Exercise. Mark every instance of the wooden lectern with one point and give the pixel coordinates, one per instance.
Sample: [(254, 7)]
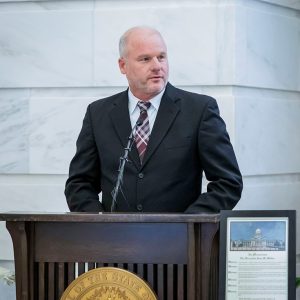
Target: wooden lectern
[(177, 254)]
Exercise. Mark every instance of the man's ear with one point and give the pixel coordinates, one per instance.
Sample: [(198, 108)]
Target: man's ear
[(122, 65)]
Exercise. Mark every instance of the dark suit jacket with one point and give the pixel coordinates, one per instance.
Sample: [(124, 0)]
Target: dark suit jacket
[(188, 137)]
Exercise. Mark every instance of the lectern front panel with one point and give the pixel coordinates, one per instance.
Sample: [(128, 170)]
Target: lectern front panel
[(112, 242)]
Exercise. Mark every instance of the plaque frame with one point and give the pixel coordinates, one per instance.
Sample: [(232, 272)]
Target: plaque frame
[(228, 246)]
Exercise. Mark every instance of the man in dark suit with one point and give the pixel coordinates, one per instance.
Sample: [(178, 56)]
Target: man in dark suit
[(178, 137)]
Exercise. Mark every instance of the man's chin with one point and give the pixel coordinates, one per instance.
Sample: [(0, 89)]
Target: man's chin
[(157, 87), (155, 92)]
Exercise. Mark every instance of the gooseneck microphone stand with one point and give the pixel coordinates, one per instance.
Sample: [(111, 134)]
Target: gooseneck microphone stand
[(123, 160)]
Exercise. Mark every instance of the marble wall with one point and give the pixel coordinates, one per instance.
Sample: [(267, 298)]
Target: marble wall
[(58, 56)]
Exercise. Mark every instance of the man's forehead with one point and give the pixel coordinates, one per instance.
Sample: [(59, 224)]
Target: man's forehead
[(152, 54)]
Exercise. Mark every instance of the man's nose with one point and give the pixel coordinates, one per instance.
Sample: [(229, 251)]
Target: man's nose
[(155, 64)]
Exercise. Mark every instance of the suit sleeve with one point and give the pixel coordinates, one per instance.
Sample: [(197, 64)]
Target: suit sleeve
[(219, 164), (83, 185)]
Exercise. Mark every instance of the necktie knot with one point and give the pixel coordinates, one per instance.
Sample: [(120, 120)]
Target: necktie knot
[(143, 105)]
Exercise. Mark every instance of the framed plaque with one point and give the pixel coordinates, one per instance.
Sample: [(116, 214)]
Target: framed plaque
[(257, 255)]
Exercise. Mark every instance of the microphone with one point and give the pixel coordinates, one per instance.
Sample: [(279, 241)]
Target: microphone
[(138, 123), (123, 160)]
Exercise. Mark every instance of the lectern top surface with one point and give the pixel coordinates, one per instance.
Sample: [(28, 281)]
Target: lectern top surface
[(16, 216)]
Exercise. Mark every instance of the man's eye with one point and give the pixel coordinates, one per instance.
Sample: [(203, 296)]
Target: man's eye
[(145, 59), (161, 57)]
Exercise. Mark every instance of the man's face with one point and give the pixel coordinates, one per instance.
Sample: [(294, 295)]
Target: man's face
[(145, 64)]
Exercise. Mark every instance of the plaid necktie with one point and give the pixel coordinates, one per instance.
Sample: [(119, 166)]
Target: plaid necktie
[(142, 132)]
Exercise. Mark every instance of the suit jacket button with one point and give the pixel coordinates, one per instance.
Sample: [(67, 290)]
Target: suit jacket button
[(141, 175), (139, 207)]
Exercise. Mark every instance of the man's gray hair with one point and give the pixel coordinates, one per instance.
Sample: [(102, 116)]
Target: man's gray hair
[(124, 38)]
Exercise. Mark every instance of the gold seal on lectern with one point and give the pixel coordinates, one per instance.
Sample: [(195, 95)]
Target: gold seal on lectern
[(108, 284)]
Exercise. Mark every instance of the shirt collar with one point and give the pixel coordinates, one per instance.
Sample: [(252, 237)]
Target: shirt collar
[(132, 103)]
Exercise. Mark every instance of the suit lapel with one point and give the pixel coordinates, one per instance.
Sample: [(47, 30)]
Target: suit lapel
[(166, 115), (121, 122)]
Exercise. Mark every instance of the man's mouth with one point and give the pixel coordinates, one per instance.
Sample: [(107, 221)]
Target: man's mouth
[(155, 77)]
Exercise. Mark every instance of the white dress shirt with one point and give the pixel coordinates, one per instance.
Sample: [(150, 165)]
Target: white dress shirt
[(134, 111)]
